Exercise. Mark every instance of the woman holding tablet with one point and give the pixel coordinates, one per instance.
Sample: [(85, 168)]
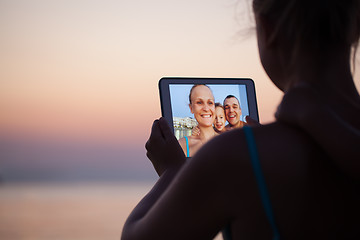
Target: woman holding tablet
[(280, 180), (202, 105)]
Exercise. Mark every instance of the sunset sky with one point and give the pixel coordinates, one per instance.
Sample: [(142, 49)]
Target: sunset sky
[(78, 78)]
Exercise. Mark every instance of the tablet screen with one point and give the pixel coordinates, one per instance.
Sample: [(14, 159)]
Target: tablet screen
[(192, 104), (184, 120), (226, 93)]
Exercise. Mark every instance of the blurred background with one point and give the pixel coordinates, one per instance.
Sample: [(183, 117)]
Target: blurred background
[(78, 95)]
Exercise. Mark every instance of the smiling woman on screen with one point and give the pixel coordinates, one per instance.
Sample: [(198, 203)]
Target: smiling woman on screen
[(202, 105)]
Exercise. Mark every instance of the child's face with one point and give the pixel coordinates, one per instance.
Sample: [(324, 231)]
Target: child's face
[(219, 119)]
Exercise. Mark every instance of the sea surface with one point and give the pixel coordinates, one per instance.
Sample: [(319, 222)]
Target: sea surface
[(67, 211)]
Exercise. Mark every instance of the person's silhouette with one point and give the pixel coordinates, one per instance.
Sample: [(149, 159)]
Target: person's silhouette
[(280, 180)]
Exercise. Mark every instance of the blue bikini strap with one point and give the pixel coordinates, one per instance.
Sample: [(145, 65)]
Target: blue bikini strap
[(187, 146), (260, 180)]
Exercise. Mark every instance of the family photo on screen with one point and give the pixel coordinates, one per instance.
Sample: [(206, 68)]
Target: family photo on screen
[(212, 110)]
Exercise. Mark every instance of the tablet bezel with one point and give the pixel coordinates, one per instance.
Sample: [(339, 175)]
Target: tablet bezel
[(165, 99)]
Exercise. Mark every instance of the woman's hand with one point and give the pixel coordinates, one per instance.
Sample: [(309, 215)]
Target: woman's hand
[(163, 148), (195, 131)]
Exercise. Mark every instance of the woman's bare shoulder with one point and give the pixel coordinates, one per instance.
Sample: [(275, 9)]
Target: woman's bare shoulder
[(182, 141), (286, 156), (272, 137), (227, 156)]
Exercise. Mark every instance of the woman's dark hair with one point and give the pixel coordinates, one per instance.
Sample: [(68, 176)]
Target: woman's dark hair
[(313, 25)]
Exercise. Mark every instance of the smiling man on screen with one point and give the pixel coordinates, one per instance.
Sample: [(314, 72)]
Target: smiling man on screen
[(233, 112)]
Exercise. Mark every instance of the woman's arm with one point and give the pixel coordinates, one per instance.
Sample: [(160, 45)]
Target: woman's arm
[(178, 206)]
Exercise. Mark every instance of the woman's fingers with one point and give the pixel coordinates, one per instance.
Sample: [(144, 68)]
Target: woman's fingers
[(165, 129), (161, 139), (155, 130), (155, 135), (163, 149), (195, 131)]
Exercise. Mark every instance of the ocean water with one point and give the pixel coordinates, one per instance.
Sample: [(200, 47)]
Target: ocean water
[(67, 211)]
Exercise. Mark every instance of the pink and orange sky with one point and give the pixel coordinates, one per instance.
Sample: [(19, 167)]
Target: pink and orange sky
[(85, 73)]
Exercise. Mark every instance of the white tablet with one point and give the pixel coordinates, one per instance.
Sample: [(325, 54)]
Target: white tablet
[(174, 98)]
